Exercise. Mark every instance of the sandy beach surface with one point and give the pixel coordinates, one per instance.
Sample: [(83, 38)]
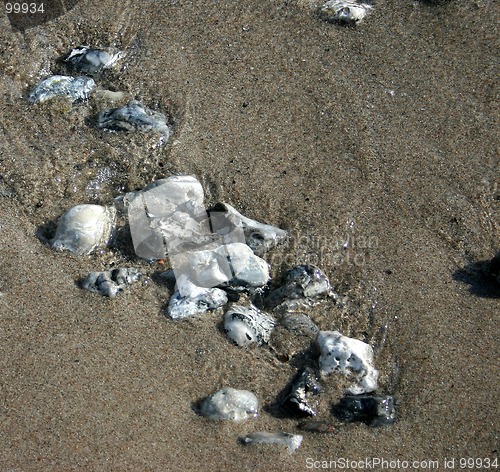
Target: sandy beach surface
[(374, 146)]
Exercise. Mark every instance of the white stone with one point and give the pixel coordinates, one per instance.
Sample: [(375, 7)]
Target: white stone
[(63, 86), (344, 11), (234, 227), (190, 300), (229, 263), (245, 326), (348, 356), (161, 203), (230, 404), (83, 228)]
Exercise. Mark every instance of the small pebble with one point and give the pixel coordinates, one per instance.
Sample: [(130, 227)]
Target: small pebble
[(230, 404), (303, 285), (110, 282), (91, 61), (344, 11), (300, 324), (72, 88), (300, 400), (134, 117), (319, 426), (291, 441), (245, 326)]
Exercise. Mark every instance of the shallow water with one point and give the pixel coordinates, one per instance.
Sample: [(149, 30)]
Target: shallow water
[(374, 146)]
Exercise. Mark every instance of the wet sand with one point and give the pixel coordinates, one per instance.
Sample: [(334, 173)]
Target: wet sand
[(383, 136)]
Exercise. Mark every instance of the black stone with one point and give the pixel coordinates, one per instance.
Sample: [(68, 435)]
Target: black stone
[(299, 397), (372, 410)]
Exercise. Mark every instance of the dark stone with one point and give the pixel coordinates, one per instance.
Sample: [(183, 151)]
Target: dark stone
[(301, 282), (299, 397), (372, 410)]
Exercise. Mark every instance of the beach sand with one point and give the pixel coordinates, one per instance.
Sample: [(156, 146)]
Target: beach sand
[(383, 136)]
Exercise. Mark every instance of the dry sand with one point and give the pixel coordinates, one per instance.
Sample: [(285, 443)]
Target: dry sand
[(384, 134)]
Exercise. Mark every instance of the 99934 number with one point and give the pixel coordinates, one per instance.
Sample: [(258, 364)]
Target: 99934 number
[(15, 7)]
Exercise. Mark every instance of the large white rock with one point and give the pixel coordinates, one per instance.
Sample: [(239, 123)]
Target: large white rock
[(233, 263), (348, 356), (157, 214)]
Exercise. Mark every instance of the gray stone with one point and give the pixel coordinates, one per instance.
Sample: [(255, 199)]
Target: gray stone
[(110, 282), (62, 86)]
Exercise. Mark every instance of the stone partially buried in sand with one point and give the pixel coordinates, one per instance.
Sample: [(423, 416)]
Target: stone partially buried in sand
[(303, 285), (301, 399), (190, 300), (62, 86), (260, 237), (110, 282), (84, 228), (348, 356), (372, 410), (291, 441), (230, 404), (247, 325), (134, 117), (91, 61), (344, 11)]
